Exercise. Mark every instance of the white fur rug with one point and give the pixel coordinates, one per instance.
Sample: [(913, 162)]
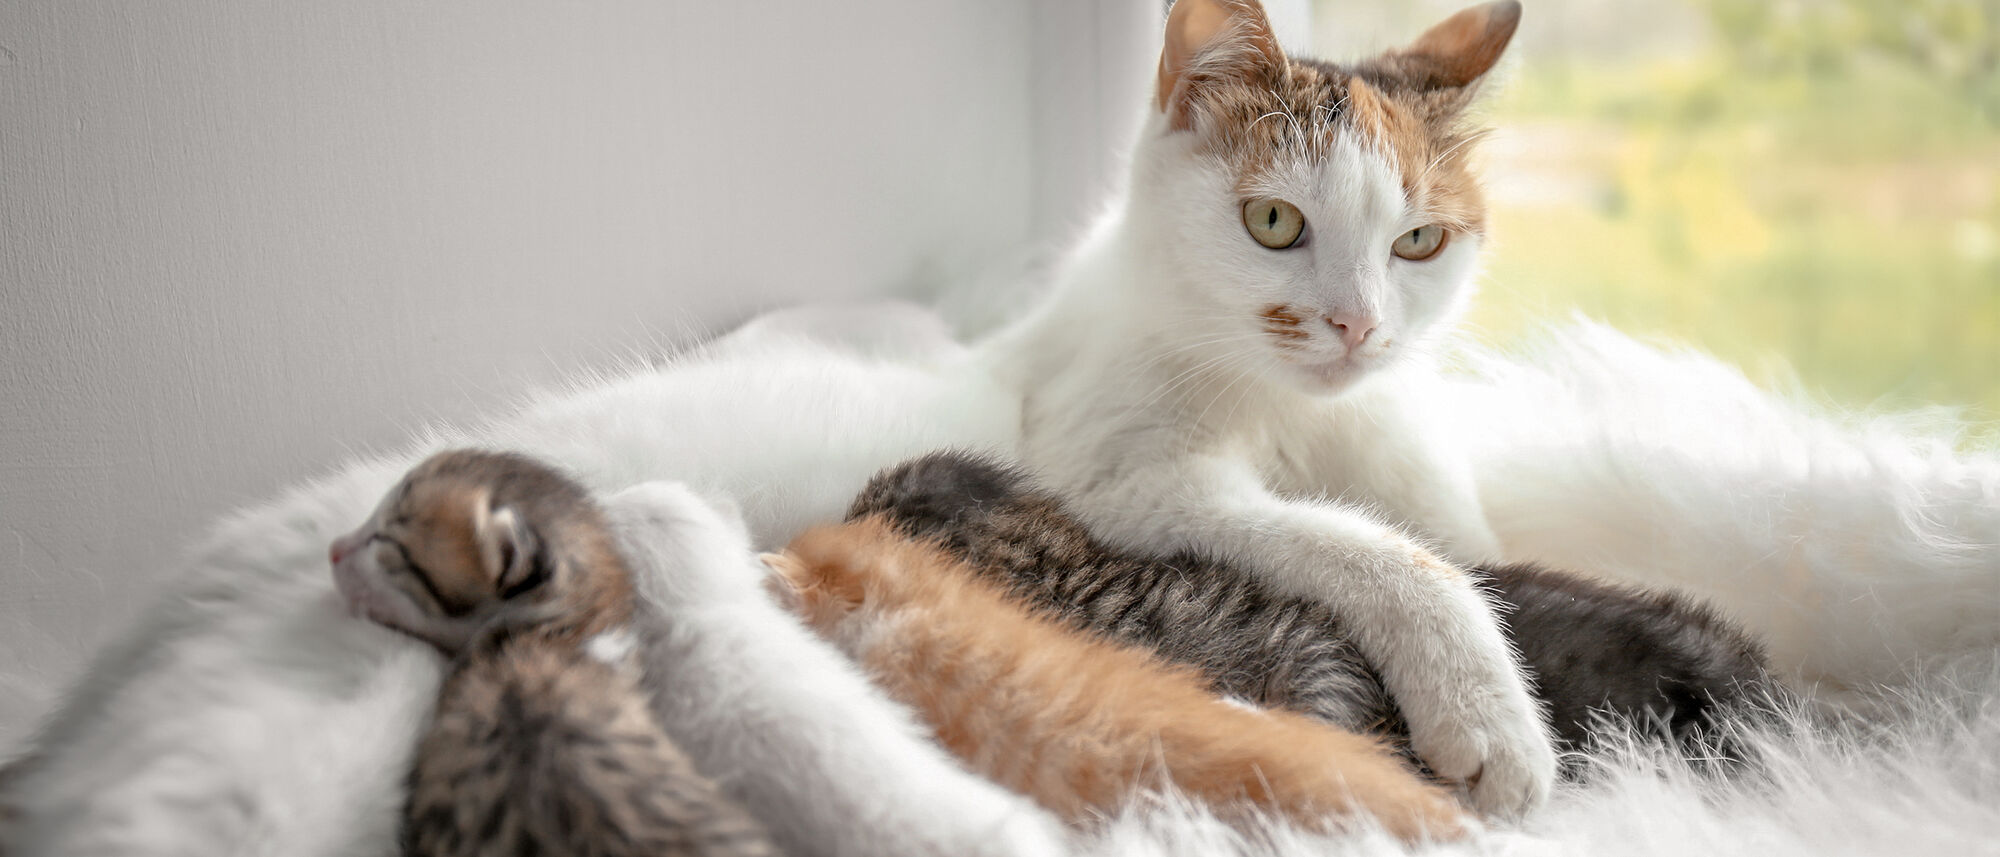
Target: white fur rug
[(244, 715), (1920, 775)]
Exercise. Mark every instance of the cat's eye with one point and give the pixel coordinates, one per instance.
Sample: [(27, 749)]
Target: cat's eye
[(1275, 223), (1420, 243)]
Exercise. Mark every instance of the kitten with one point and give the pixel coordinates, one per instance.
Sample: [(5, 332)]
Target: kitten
[(1079, 724), (1232, 362), (1653, 659), (789, 726), (542, 741)]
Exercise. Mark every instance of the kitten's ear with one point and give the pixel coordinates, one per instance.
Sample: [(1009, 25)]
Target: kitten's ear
[(787, 567), (1211, 43), (1465, 46), (511, 551), (787, 580)]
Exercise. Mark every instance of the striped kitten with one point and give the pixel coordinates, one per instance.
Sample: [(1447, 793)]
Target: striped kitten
[(1078, 723), (1651, 658), (543, 741)]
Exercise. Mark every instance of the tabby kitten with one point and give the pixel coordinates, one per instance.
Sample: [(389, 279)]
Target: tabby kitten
[(1078, 723), (1653, 659), (543, 741)]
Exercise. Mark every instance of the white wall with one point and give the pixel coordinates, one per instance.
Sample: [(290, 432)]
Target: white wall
[(239, 241)]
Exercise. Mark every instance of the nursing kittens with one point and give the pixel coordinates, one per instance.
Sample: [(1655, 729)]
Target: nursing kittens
[(789, 726), (1654, 659), (1078, 723), (543, 741)]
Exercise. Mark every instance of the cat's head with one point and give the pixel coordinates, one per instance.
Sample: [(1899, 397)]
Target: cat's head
[(469, 539), (1326, 214)]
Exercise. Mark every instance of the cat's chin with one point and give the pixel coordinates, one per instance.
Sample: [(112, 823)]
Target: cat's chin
[(1330, 377)]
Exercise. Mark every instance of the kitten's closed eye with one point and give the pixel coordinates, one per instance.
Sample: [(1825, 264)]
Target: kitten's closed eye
[(1275, 223)]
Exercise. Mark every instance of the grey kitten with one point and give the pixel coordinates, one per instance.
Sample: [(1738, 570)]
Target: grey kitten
[(543, 741), (1654, 659)]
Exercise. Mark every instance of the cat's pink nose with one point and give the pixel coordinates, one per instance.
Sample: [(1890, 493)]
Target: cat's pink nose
[(1351, 328)]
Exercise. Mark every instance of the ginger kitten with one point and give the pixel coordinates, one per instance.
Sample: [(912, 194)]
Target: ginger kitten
[(1078, 723), (543, 741)]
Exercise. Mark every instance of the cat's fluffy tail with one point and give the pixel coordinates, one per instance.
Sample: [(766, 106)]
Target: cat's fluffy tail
[(1855, 546)]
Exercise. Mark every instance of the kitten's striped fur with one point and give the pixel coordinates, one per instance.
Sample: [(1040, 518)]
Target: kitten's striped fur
[(543, 741), (541, 749), (1078, 723), (1651, 658)]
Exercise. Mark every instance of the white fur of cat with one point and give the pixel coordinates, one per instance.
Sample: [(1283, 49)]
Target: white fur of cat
[(781, 720), (247, 713), (1159, 401), (1860, 547)]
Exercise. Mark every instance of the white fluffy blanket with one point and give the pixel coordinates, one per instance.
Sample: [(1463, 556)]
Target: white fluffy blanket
[(245, 715)]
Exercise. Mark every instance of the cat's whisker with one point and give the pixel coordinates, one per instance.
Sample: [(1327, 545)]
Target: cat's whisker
[(1439, 159), (1188, 376), (1266, 365), (1156, 359), (1192, 374), (1298, 132), (1333, 110), (1239, 380)]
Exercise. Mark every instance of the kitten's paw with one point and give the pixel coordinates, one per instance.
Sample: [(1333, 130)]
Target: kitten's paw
[(1498, 748)]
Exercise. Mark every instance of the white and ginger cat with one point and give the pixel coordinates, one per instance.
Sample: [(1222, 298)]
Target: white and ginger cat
[(1233, 360)]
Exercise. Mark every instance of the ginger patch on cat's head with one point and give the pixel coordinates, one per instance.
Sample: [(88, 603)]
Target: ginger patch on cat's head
[(1224, 78)]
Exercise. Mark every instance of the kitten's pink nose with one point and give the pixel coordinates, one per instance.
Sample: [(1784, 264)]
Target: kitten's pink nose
[(341, 548), (1352, 329)]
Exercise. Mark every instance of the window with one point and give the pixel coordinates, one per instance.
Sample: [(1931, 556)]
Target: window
[(1812, 184)]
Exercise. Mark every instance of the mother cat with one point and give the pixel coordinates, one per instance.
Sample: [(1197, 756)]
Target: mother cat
[(1241, 344), (224, 723)]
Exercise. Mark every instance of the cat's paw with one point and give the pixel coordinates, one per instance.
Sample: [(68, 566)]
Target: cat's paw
[(1495, 744), (1474, 723), (1507, 768)]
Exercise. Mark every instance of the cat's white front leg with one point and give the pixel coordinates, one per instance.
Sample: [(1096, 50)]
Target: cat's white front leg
[(1383, 446), (1430, 634)]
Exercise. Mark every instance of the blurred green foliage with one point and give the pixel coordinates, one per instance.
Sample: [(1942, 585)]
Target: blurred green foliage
[(1814, 191)]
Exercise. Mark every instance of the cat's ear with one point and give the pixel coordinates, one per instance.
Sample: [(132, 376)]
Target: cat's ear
[(1213, 43), (1465, 46), (511, 551)]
